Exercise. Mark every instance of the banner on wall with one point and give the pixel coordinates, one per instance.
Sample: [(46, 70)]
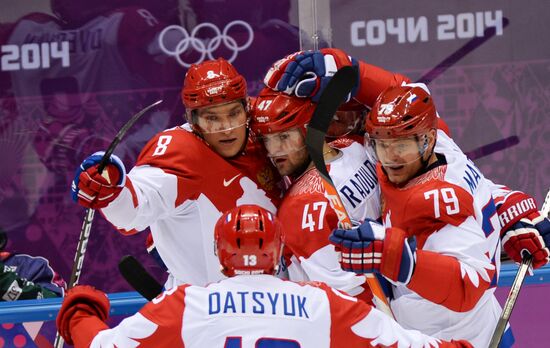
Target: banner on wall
[(418, 35), (497, 91)]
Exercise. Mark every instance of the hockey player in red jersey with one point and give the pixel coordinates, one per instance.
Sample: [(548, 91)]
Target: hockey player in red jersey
[(444, 276), (280, 121), (251, 308), (186, 176), (306, 73)]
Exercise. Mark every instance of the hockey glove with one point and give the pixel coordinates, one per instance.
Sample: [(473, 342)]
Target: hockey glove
[(370, 248), (82, 300), (524, 230), (306, 73), (94, 190)]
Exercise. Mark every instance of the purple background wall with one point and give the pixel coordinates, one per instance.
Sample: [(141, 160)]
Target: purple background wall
[(531, 316), (60, 103), (500, 89)]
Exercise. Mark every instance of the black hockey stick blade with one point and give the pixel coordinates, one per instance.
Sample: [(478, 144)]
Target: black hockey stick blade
[(138, 277), (121, 134), (339, 86), (3, 239), (335, 94)]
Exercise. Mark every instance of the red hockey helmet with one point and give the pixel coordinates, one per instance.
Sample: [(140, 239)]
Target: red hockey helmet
[(212, 82), (349, 118), (248, 241), (401, 111), (274, 112)]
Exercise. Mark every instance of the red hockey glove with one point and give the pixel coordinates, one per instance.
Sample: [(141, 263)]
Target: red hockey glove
[(81, 299), (524, 230), (94, 190), (306, 73), (371, 249)]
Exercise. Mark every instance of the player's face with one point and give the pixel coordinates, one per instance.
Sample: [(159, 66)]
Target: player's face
[(287, 150), (223, 127), (400, 157)]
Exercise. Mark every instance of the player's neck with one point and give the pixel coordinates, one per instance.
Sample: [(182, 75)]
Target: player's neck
[(330, 153)]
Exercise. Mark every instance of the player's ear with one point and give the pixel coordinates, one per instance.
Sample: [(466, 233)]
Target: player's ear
[(428, 143), (432, 138)]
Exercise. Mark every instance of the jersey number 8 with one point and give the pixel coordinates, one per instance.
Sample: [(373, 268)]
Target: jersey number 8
[(162, 145)]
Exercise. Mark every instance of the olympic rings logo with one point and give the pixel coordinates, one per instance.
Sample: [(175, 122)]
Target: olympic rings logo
[(204, 46)]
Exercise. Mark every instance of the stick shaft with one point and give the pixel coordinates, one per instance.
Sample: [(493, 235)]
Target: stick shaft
[(333, 95), (89, 216), (510, 302), (137, 276)]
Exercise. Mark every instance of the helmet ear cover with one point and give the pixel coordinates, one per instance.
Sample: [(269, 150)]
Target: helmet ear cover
[(248, 240)]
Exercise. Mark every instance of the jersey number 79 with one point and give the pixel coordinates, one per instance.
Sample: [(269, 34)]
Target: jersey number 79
[(450, 200)]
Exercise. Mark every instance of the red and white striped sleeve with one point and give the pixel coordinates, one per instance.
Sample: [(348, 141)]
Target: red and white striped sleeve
[(356, 324), (157, 324)]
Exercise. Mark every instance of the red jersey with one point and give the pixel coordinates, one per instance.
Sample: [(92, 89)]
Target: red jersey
[(307, 214), (179, 188), (451, 212), (308, 217)]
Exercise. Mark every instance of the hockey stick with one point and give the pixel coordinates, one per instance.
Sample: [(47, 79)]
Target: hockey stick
[(428, 77), (339, 86), (89, 216), (138, 277), (87, 224), (516, 287)]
